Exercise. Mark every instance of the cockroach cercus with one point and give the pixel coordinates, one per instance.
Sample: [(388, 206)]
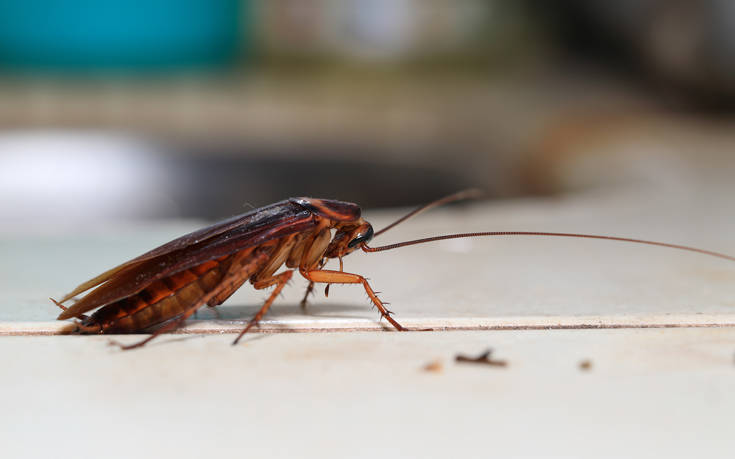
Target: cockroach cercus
[(168, 284)]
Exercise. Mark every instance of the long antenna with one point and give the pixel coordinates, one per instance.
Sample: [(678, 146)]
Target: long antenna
[(459, 196), (365, 248)]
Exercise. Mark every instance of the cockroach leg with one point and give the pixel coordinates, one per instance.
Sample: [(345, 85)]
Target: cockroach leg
[(309, 291), (280, 280), (227, 290), (337, 277), (310, 288), (171, 326)]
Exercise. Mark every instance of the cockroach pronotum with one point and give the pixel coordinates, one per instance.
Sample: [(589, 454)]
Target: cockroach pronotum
[(168, 284)]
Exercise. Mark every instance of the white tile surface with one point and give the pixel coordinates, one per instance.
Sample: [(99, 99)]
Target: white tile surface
[(650, 393)]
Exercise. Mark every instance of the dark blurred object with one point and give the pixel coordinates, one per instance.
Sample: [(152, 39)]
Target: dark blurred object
[(82, 176), (217, 184), (91, 35), (685, 47)]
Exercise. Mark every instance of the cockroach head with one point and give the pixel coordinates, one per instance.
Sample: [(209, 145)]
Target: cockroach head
[(351, 230), (349, 236)]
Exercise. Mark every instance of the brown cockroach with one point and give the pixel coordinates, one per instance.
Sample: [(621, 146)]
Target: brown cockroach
[(168, 284)]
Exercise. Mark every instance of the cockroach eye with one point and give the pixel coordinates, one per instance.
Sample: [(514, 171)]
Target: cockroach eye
[(363, 237)]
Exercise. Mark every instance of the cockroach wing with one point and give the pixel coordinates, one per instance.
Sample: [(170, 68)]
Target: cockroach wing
[(224, 238)]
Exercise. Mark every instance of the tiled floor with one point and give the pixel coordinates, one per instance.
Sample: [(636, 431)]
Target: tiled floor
[(648, 391)]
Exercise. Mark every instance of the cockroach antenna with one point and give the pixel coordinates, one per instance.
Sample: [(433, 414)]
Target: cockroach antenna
[(471, 193), (474, 193), (711, 253)]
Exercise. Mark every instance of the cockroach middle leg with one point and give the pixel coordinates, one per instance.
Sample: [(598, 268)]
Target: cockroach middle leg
[(337, 277), (227, 290), (309, 291), (239, 275), (280, 280)]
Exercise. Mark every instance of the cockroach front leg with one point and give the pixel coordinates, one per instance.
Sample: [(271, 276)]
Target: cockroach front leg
[(280, 280), (338, 277)]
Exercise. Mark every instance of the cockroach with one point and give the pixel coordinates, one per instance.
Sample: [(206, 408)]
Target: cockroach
[(166, 285)]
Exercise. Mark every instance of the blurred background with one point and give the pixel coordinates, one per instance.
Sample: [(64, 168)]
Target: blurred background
[(202, 108)]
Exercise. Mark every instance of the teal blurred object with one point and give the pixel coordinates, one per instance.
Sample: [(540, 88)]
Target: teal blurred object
[(120, 35)]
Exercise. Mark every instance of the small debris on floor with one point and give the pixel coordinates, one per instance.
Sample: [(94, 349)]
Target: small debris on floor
[(485, 359), (585, 365), (434, 366)]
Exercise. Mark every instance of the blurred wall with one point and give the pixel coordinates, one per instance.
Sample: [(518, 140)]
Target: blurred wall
[(199, 108)]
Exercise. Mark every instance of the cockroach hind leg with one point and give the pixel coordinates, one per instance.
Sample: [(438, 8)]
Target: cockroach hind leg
[(127, 347), (252, 323), (169, 326), (112, 343)]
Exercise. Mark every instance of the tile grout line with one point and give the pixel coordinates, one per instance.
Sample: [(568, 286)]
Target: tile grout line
[(434, 324)]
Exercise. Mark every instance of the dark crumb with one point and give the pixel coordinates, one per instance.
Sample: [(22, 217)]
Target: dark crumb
[(434, 366), (485, 359), (585, 365)]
